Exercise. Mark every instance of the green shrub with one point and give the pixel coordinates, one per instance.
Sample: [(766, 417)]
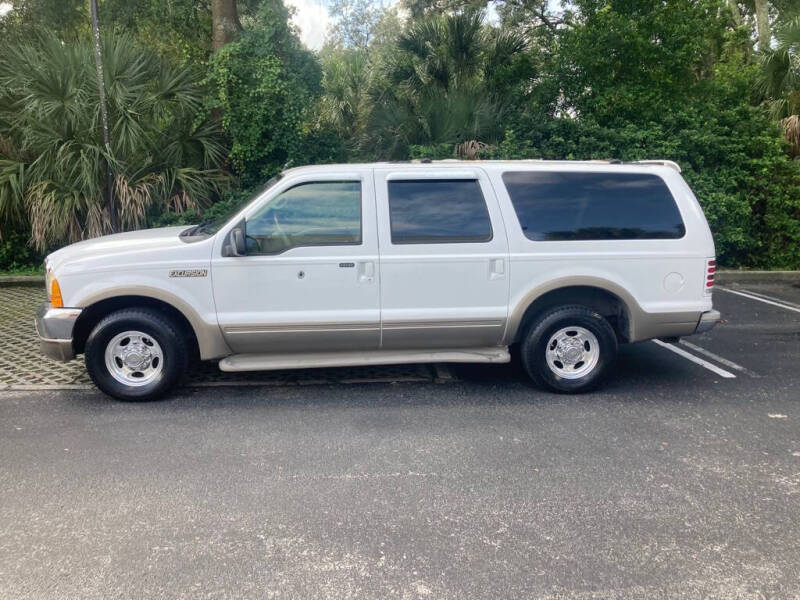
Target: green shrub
[(262, 86), (16, 256)]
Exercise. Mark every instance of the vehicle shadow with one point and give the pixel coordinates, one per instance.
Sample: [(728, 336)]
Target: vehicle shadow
[(642, 372)]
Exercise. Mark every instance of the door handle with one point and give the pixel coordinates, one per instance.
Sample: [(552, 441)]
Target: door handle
[(497, 268), (366, 271)]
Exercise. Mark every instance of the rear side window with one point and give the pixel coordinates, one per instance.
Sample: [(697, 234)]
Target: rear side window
[(593, 206), (438, 211)]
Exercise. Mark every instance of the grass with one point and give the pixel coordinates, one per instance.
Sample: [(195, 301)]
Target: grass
[(23, 270)]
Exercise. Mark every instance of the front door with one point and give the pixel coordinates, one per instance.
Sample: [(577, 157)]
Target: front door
[(309, 279), (444, 259)]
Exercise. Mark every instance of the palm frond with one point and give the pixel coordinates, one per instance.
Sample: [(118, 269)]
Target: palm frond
[(780, 79), (53, 160), (437, 89), (12, 193), (791, 131)]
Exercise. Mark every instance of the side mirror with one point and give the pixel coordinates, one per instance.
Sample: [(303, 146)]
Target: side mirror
[(236, 241)]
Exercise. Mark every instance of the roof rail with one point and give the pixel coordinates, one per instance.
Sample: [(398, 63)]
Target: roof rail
[(666, 163)]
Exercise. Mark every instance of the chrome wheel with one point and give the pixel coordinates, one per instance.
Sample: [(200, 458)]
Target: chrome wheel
[(572, 352), (134, 358)]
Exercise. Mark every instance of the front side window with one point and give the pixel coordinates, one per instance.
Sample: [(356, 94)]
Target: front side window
[(438, 211), (323, 213), (593, 206)]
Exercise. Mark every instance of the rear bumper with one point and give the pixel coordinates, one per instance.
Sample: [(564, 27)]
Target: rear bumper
[(54, 326), (707, 321)]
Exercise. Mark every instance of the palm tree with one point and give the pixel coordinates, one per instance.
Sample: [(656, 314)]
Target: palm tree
[(345, 103), (164, 155), (780, 81), (440, 85)]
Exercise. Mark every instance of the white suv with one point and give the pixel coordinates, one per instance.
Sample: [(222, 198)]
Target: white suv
[(395, 263)]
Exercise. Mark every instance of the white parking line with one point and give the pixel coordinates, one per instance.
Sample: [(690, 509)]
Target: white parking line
[(696, 360), (764, 300), (720, 359), (773, 298)]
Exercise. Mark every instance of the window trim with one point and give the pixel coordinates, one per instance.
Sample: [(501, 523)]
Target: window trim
[(675, 202), (431, 241), (360, 241)]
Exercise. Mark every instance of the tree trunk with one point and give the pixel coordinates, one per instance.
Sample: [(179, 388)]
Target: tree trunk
[(736, 14), (762, 23), (101, 88), (225, 24)]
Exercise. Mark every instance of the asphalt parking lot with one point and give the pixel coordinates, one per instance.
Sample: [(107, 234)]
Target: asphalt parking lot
[(679, 479)]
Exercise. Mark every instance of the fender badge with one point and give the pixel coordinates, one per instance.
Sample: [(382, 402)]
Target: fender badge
[(188, 272)]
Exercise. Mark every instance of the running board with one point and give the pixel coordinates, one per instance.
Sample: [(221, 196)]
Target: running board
[(272, 362)]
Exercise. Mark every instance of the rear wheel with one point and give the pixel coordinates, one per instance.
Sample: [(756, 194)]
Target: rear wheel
[(136, 355), (569, 349)]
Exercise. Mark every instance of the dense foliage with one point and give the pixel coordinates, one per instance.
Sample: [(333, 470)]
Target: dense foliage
[(53, 161), (262, 87), (622, 79)]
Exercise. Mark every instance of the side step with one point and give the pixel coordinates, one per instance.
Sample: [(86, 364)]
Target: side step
[(272, 362)]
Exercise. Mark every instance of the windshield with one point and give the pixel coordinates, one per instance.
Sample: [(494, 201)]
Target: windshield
[(212, 225)]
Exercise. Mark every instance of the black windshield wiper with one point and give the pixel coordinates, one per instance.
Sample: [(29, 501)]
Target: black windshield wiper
[(195, 229)]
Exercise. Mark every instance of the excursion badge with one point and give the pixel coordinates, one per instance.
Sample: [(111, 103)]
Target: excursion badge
[(188, 272)]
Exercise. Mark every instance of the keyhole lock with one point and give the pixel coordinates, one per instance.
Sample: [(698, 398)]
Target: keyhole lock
[(301, 274)]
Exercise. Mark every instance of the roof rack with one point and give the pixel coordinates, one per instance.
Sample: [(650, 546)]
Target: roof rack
[(665, 163), (607, 161)]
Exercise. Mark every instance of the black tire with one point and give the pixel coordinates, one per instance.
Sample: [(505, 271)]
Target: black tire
[(533, 350), (155, 325)]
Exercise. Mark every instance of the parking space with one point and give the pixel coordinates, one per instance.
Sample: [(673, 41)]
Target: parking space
[(758, 338), (761, 329)]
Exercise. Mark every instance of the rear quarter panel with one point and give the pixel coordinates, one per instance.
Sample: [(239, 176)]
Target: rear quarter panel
[(663, 279)]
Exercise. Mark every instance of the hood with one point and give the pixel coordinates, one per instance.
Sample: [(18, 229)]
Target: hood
[(118, 245)]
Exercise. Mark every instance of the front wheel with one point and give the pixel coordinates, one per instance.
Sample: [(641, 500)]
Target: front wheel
[(136, 355), (569, 349)]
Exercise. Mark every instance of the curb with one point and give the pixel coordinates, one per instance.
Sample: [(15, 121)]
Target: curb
[(21, 280), (735, 276)]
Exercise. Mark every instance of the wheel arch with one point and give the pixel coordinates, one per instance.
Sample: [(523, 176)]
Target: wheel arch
[(607, 298), (206, 340)]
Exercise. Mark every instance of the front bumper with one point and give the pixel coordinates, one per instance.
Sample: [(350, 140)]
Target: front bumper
[(707, 321), (54, 326)]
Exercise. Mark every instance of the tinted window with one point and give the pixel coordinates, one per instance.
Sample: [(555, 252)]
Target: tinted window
[(593, 206), (437, 211), (310, 214)]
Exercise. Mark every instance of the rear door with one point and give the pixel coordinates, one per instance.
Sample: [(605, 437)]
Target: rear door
[(443, 259)]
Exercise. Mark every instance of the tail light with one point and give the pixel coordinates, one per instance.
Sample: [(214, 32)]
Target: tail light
[(711, 269)]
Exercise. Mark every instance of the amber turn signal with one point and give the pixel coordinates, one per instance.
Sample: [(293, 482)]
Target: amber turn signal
[(56, 301)]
